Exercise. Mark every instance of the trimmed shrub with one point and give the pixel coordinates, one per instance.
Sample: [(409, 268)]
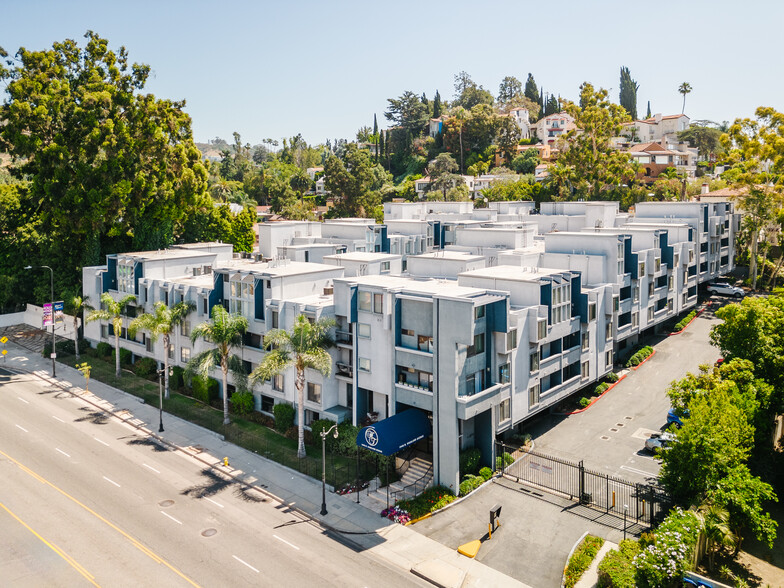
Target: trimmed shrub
[(469, 461), (639, 356), (584, 402), (581, 559), (103, 349), (685, 321), (176, 379), (470, 483), (126, 357), (284, 417), (205, 389), (486, 473), (600, 389), (145, 367), (503, 460), (242, 402), (612, 377), (616, 570)]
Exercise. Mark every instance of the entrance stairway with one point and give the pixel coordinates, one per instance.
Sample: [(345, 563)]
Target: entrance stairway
[(416, 478)]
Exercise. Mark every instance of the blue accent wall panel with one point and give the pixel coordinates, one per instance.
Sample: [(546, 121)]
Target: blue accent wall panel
[(384, 239), (111, 262), (546, 299), (353, 304), (216, 296), (138, 274), (666, 250), (258, 295)]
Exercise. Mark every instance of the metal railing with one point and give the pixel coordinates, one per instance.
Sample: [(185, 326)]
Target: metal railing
[(414, 489)]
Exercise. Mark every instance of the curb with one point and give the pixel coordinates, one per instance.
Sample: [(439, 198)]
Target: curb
[(699, 312), (579, 410), (568, 557), (639, 365)]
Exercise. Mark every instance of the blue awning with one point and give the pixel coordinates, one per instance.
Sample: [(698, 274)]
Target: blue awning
[(397, 432)]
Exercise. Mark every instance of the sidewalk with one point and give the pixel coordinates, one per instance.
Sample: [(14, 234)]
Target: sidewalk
[(399, 546)]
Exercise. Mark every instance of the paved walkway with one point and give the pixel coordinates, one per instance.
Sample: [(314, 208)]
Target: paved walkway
[(366, 530)]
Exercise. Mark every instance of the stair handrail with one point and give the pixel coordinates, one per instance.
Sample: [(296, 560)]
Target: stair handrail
[(414, 484)]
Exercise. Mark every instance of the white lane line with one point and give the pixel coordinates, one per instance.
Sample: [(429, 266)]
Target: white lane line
[(101, 442), (641, 472), (63, 452), (151, 468), (171, 517), (286, 542), (58, 419), (23, 400), (112, 482), (21, 427), (215, 503), (245, 563)]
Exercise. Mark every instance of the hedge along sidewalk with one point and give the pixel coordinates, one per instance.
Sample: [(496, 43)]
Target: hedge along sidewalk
[(699, 312), (590, 577), (639, 365), (596, 399)]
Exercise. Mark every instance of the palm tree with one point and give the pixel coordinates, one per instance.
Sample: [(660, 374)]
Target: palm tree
[(162, 323), (224, 332), (715, 528), (77, 306), (112, 310), (305, 346), (684, 88)]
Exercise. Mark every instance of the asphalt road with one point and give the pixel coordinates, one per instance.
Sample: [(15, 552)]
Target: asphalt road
[(85, 500), (610, 436)]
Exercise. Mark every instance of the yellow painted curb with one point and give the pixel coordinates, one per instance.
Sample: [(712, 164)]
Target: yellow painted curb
[(422, 518), (470, 549)]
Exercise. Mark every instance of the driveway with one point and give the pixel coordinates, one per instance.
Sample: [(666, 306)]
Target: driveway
[(609, 437)]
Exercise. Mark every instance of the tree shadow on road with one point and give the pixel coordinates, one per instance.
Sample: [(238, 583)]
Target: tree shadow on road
[(96, 417), (212, 485), (148, 442)]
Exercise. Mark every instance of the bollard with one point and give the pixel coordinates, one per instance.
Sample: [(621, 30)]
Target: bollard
[(613, 499), (226, 461), (490, 531), (643, 508)]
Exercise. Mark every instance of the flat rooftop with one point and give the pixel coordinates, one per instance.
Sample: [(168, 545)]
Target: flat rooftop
[(514, 272), (426, 286), (362, 256), (281, 268)]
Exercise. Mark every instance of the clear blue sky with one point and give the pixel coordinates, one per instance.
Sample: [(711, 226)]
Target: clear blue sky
[(274, 69)]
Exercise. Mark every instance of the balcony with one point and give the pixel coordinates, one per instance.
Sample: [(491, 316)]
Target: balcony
[(470, 406), (344, 370), (344, 338), (417, 396)]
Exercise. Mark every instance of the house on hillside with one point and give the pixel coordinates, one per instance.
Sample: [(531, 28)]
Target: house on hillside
[(654, 158), (520, 116), (549, 128), (657, 128)]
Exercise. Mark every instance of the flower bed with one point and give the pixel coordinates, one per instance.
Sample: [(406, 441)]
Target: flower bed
[(581, 559), (396, 514), (429, 501)]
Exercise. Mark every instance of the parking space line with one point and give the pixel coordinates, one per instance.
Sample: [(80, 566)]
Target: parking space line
[(641, 472), (215, 503)]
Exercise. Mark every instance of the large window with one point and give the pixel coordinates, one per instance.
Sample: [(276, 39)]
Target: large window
[(378, 303), (314, 393), (504, 374), (479, 312), (365, 301), (185, 328), (364, 364), (125, 278), (185, 354), (277, 382), (533, 395), (505, 410), (267, 402), (478, 346), (363, 330), (241, 297)]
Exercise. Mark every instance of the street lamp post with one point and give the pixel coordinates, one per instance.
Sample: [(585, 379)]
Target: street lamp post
[(324, 465), (160, 399), (51, 282)]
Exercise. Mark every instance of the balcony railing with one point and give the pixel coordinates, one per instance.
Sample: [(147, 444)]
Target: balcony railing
[(344, 369), (344, 337)]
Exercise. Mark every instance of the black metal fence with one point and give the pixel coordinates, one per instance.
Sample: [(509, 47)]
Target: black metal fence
[(643, 503)]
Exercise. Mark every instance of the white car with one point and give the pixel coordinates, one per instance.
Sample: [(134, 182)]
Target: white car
[(726, 289)]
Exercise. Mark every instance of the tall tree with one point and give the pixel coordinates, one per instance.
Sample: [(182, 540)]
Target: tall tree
[(507, 137), (589, 163), (162, 323), (408, 112), (305, 346), (77, 306), (628, 93), (468, 93), (531, 89), (704, 136), (103, 159), (648, 113), (113, 311), (756, 151), (509, 89), (375, 138), (684, 88), (552, 106), (350, 180), (437, 105), (223, 334), (442, 171)]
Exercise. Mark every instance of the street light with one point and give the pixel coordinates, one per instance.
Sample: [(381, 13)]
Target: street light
[(324, 465), (54, 353), (161, 372)]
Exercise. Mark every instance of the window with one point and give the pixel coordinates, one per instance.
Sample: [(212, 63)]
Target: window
[(185, 354), (608, 358), (277, 382), (505, 410), (635, 319), (608, 331), (479, 312), (385, 266), (511, 340), (670, 283), (650, 289), (171, 350), (425, 343), (585, 369), (541, 330), (310, 416), (650, 313), (267, 402), (669, 305), (125, 278), (166, 297), (365, 301), (591, 311), (642, 269), (535, 358), (636, 293), (241, 297), (407, 332), (616, 304), (657, 264), (378, 303), (149, 344), (503, 374), (533, 395), (204, 306), (475, 382), (363, 330), (314, 393), (479, 343), (185, 328), (586, 340), (274, 317), (691, 256), (364, 364)]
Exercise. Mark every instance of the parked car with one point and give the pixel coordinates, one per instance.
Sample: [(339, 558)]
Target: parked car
[(673, 418), (725, 289), (659, 442)]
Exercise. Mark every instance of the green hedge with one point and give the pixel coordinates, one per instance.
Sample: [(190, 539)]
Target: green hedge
[(581, 559), (470, 461), (503, 460), (486, 473), (177, 378), (600, 389), (612, 377), (639, 356), (126, 357), (584, 402), (685, 321), (103, 349), (284, 416), (145, 367), (617, 569), (470, 483), (205, 389), (242, 402), (429, 501)]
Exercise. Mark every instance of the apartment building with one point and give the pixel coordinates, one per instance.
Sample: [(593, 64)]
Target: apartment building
[(495, 315)]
